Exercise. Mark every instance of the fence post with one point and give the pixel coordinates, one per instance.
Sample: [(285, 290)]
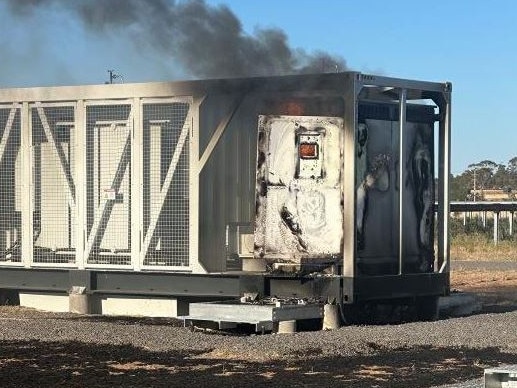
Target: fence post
[(496, 227)]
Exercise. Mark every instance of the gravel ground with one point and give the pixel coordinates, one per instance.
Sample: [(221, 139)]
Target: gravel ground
[(63, 350)]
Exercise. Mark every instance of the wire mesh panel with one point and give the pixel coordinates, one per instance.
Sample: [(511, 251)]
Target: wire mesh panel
[(10, 185), (53, 184), (166, 185), (108, 156)]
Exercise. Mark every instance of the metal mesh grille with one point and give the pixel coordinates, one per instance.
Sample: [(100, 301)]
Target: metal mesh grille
[(166, 185), (108, 155), (10, 185), (53, 185)]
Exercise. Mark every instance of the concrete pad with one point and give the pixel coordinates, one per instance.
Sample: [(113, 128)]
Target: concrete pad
[(134, 306), (79, 303), (331, 319), (459, 304), (56, 303), (286, 327)]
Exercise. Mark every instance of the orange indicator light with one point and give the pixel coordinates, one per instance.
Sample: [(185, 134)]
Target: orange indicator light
[(308, 150)]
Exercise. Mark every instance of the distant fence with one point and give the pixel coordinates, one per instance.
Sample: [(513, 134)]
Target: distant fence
[(484, 208)]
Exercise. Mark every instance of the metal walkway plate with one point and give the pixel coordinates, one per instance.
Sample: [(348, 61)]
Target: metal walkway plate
[(228, 314)]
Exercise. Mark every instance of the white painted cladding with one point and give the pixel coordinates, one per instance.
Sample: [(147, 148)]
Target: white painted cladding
[(299, 211), (73, 189)]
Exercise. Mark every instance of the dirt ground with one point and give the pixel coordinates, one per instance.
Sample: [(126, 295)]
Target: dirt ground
[(497, 290)]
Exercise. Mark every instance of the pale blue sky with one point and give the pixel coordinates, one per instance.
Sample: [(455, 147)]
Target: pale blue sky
[(472, 43)]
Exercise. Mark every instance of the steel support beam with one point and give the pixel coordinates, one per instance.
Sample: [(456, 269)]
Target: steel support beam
[(121, 283), (352, 88), (496, 227), (460, 206), (402, 175), (136, 189), (194, 262), (401, 286), (443, 100), (80, 179)]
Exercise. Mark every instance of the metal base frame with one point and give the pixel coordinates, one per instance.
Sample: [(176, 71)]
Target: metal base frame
[(224, 286)]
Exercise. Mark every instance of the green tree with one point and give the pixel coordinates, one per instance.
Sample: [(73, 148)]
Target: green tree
[(485, 174), (460, 186)]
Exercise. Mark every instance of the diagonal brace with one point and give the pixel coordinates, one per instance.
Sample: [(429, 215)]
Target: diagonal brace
[(166, 184), (219, 133), (103, 212), (7, 131), (65, 166)]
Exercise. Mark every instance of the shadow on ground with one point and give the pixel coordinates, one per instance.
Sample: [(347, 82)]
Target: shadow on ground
[(501, 301), (75, 364)]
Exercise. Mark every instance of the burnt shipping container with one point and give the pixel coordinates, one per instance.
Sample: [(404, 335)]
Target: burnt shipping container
[(325, 186)]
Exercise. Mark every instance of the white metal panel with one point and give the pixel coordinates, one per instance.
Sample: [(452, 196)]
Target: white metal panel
[(53, 152), (166, 201), (108, 128)]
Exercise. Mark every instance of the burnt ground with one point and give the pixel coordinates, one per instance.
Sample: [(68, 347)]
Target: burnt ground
[(62, 350)]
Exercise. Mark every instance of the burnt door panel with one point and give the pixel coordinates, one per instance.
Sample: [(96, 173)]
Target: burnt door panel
[(299, 211), (378, 193)]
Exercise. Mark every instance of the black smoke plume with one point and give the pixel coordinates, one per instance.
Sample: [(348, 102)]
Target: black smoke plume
[(206, 41)]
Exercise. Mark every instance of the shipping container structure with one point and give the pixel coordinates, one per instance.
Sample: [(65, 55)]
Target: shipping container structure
[(309, 186)]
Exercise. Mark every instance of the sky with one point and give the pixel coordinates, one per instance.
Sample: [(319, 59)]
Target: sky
[(471, 43)]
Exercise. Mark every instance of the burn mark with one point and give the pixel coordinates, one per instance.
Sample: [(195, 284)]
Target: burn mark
[(261, 194), (289, 219), (377, 178), (304, 106), (262, 189), (261, 137), (294, 221), (362, 139), (261, 159), (422, 178), (258, 250)]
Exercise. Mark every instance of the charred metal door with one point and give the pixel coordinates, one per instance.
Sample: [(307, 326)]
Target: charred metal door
[(378, 190), (298, 194)]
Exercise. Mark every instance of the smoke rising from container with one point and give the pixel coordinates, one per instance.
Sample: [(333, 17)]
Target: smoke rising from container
[(205, 41)]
